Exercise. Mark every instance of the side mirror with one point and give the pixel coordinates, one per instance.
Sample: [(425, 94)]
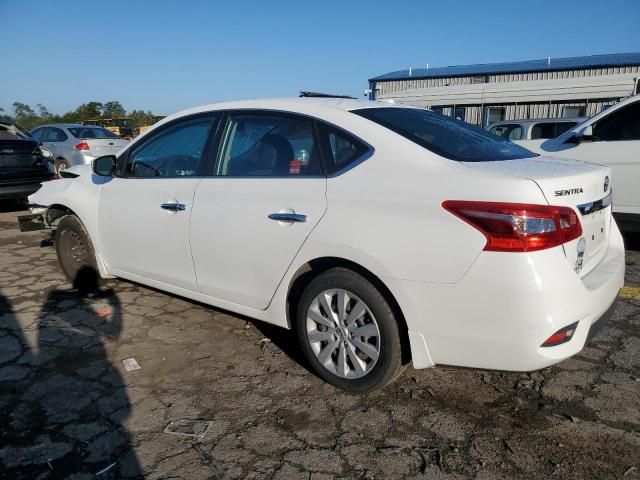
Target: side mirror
[(104, 166)]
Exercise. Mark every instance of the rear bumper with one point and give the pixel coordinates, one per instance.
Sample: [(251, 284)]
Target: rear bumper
[(506, 306), (19, 191)]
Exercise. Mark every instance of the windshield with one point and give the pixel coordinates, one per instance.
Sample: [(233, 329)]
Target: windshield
[(445, 136), (92, 132)]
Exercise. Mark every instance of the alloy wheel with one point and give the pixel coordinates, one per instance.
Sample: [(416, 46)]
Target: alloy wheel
[(343, 333)]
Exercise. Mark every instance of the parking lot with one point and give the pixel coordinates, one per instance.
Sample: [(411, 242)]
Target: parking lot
[(70, 409)]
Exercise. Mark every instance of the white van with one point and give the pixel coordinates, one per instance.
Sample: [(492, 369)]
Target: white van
[(612, 138)]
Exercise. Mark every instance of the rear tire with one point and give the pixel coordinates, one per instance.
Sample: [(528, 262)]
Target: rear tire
[(61, 164), (356, 345), (76, 254)]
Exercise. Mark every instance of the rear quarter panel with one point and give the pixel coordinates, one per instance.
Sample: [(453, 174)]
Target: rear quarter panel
[(386, 213)]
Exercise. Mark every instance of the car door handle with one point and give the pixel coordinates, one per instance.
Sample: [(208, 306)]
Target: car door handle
[(173, 207), (288, 217)]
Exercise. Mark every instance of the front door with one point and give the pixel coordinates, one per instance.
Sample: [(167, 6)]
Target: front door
[(616, 142), (144, 213), (251, 217)]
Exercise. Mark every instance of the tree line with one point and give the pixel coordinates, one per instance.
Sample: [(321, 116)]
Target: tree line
[(29, 118)]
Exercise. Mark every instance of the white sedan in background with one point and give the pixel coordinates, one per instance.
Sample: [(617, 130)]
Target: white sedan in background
[(380, 233), (612, 137)]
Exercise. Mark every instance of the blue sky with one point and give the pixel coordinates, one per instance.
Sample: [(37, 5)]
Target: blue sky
[(169, 55)]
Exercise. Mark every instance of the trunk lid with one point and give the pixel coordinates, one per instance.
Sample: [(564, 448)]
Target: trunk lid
[(106, 146), (21, 159), (583, 186)]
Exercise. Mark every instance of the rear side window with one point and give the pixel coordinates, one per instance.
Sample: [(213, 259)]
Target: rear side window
[(511, 131), (444, 136), (543, 130), (550, 129), (564, 126), (341, 149)]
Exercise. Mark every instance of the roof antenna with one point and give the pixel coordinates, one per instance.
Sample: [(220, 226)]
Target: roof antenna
[(548, 61)]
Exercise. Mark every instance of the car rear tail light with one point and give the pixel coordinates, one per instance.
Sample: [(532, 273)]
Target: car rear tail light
[(518, 227), (81, 146), (561, 336)]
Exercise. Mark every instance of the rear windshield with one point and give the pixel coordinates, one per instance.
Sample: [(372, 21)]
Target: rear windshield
[(9, 131), (445, 136), (92, 132)]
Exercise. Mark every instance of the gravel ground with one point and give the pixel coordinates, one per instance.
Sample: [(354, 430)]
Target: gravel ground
[(69, 409)]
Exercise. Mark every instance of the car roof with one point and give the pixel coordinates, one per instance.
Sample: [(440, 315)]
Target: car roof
[(304, 105), (285, 103), (64, 125)]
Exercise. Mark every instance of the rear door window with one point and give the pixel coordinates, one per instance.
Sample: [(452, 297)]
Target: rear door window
[(550, 129), (445, 136), (268, 145)]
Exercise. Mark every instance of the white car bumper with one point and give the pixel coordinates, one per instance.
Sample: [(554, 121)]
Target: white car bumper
[(506, 306)]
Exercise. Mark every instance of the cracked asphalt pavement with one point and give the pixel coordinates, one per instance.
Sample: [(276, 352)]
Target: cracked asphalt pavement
[(69, 408)]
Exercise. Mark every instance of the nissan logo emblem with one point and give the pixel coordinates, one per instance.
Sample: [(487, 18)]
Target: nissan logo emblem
[(606, 183)]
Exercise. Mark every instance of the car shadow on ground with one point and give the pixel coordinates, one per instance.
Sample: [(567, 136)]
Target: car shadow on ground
[(8, 206), (631, 240), (284, 339), (63, 403)]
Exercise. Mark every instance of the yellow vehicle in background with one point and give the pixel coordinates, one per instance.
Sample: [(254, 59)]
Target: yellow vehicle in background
[(121, 126), (155, 119)]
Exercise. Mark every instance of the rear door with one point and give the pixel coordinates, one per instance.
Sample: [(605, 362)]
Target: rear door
[(53, 139), (144, 213), (265, 195)]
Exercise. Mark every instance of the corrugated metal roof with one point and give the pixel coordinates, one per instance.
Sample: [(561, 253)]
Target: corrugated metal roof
[(542, 65)]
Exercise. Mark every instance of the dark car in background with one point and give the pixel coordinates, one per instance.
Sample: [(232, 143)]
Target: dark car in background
[(24, 163)]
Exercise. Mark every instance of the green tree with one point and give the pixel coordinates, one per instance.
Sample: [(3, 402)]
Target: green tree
[(22, 110), (89, 110), (113, 109), (44, 112)]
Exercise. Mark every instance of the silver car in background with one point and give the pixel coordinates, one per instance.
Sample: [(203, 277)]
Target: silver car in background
[(532, 129), (76, 144)]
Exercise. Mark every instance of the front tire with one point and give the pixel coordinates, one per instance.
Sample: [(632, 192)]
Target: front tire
[(76, 254), (348, 332)]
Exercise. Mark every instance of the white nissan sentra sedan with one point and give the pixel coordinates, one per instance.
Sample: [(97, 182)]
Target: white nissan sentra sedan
[(379, 233)]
